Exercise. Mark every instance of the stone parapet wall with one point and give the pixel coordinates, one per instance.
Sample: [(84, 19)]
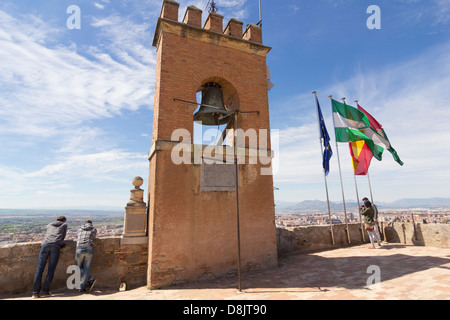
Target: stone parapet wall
[(428, 234), (314, 238), (113, 263)]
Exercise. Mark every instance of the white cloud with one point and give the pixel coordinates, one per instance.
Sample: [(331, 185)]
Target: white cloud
[(51, 87), (50, 96), (73, 180), (99, 6), (298, 150), (101, 22), (99, 166)]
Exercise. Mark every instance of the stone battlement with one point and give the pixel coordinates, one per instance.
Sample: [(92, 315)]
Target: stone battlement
[(214, 22)]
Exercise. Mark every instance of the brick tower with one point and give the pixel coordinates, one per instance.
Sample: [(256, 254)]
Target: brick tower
[(192, 205)]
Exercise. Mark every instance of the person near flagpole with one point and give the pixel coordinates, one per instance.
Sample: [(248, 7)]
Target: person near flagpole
[(376, 231), (368, 212)]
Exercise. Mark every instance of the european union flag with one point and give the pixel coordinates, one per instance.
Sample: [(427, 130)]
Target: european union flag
[(327, 152)]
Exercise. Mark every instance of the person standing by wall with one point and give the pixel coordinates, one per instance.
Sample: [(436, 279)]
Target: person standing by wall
[(376, 230), (84, 254), (368, 213), (50, 250)]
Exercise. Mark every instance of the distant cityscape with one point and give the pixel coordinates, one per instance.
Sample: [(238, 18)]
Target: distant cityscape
[(19, 225), (316, 212), (296, 218)]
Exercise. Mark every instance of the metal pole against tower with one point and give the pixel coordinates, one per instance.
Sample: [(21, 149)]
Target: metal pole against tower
[(359, 211), (237, 202), (260, 19), (340, 174), (370, 186), (260, 15)]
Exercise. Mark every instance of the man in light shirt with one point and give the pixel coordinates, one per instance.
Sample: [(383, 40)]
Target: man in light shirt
[(84, 254)]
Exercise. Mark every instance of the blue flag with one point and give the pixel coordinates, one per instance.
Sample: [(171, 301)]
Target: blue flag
[(327, 152)]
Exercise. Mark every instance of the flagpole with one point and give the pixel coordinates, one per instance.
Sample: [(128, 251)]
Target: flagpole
[(340, 174), (345, 211), (324, 174), (370, 186), (359, 211), (371, 197), (368, 178), (357, 199)]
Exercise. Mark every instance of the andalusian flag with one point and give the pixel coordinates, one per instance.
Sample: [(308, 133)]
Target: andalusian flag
[(361, 157), (377, 134), (349, 124)]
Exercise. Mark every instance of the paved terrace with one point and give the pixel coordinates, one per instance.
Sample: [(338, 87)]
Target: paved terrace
[(407, 272)]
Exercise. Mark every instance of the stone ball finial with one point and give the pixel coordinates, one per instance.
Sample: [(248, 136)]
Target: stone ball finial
[(137, 182)]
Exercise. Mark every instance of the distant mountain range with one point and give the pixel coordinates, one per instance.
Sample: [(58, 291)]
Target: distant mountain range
[(318, 205), (306, 206)]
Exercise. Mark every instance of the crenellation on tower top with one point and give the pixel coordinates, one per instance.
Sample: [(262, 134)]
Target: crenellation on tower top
[(234, 28), (193, 16), (214, 22), (253, 33), (169, 10)]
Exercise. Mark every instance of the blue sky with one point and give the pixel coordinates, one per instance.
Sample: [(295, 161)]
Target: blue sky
[(76, 106)]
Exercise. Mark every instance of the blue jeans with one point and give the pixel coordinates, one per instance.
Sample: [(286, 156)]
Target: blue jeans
[(51, 252), (83, 259)]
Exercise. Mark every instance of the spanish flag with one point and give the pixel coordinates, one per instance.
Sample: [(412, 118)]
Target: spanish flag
[(361, 156)]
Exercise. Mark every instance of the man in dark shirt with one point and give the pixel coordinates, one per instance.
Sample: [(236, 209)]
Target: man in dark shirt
[(50, 249)]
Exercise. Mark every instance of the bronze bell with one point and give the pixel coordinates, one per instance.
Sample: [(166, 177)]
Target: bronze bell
[(212, 111)]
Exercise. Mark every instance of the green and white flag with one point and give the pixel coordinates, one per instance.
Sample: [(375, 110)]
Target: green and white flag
[(378, 135), (348, 125)]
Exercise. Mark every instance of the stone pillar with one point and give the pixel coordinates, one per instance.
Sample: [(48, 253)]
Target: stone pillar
[(134, 229)]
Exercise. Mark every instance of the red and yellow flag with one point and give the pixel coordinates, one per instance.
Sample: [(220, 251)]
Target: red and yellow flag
[(361, 157)]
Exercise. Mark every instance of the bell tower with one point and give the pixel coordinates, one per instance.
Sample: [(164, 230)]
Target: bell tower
[(194, 196)]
